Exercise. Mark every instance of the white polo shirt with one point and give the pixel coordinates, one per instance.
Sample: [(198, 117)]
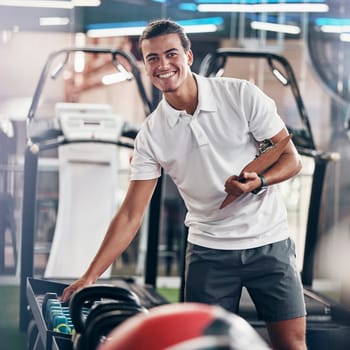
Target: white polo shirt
[(200, 151)]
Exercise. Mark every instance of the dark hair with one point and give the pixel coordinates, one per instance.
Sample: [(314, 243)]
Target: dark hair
[(163, 27)]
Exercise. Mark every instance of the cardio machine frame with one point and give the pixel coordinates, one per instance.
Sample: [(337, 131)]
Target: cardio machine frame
[(52, 138), (327, 321), (303, 139)]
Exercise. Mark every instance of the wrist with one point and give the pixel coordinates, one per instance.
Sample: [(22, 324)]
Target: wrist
[(262, 186), (90, 277)]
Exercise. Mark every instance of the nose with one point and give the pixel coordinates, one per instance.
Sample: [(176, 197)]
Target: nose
[(163, 62)]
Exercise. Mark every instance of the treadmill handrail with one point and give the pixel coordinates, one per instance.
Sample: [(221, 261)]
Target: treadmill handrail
[(327, 156), (100, 50)]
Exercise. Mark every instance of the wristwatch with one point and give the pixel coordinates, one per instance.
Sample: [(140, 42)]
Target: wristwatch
[(263, 185)]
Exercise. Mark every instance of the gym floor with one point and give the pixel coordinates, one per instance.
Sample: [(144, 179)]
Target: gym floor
[(11, 337)]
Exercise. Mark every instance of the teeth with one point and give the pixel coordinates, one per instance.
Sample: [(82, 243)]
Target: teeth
[(167, 75)]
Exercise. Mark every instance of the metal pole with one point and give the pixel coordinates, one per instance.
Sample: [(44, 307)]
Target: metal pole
[(28, 229)]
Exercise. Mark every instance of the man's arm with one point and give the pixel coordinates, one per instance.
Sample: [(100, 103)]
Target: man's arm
[(288, 165), (120, 233)]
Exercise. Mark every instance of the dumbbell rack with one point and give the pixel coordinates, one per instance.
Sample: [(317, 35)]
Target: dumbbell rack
[(36, 290)]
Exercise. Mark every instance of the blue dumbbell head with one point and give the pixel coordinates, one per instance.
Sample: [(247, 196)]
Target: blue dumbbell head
[(60, 324)]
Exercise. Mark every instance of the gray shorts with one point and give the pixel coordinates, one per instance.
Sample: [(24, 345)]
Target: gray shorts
[(269, 273)]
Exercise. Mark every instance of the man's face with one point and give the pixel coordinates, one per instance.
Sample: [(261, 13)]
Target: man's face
[(166, 62)]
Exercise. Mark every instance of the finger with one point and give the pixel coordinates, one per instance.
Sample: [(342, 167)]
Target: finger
[(67, 293), (249, 176)]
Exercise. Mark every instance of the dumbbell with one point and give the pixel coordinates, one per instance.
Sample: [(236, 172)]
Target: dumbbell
[(85, 298), (103, 318), (55, 315), (109, 306)]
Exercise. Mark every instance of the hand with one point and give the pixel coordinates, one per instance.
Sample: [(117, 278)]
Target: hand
[(75, 286), (246, 182)]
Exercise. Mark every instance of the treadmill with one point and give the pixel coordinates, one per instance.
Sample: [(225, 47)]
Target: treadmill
[(50, 133), (328, 322)]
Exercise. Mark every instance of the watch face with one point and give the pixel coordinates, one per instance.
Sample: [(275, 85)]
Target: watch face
[(264, 145)]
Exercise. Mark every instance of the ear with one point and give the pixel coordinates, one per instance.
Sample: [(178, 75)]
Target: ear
[(190, 57)]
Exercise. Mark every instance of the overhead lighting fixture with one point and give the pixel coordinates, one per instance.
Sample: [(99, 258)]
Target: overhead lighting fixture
[(110, 32), (54, 21), (116, 78), (79, 56), (201, 28), (37, 3), (275, 27), (50, 4), (200, 25), (335, 29), (333, 25), (267, 7), (345, 37), (86, 3)]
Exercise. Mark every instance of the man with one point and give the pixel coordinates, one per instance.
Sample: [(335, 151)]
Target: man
[(203, 131)]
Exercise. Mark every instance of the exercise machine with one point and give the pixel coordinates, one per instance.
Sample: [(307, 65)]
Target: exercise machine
[(328, 322), (50, 133), (7, 199)]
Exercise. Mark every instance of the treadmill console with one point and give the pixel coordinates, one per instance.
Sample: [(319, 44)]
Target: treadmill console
[(88, 122)]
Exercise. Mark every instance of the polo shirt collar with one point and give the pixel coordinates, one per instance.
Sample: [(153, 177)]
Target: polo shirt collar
[(206, 101)]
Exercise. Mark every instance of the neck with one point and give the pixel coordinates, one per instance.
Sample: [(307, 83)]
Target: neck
[(185, 98)]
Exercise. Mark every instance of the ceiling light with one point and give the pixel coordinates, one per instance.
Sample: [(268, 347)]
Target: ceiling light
[(256, 8), (201, 28), (37, 3), (87, 3), (79, 56), (333, 25), (116, 78), (335, 29), (54, 21), (50, 3), (200, 25), (345, 37), (275, 27), (110, 32)]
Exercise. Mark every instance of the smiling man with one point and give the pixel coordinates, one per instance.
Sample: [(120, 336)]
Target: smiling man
[(203, 131)]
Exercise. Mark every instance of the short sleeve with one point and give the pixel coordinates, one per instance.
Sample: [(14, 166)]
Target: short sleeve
[(143, 164), (261, 113)]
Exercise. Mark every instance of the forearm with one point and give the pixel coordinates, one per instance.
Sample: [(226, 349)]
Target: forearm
[(288, 164), (286, 167), (119, 235)]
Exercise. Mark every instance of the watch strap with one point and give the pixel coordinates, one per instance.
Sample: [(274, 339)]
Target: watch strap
[(262, 186)]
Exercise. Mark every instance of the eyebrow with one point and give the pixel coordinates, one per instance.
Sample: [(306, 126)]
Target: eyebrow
[(167, 51)]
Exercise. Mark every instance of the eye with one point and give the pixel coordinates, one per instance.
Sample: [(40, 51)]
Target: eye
[(151, 59), (172, 54)]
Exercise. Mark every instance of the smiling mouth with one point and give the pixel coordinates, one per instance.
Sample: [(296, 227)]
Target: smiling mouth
[(166, 75)]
